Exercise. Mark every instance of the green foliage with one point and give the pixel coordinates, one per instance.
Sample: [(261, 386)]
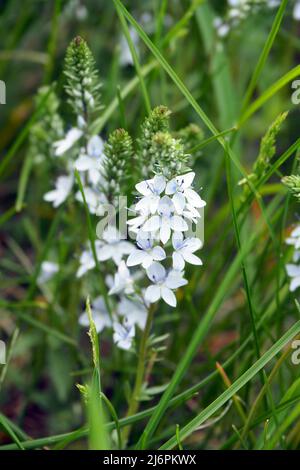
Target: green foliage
[(293, 184), (48, 128), (266, 153), (168, 155)]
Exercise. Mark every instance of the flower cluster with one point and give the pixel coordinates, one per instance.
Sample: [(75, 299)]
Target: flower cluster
[(163, 214), (167, 207)]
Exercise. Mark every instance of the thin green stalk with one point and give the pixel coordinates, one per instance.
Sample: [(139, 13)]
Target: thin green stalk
[(140, 372)]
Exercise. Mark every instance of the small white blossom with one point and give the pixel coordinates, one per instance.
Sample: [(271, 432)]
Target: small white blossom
[(151, 190), (125, 53), (71, 137), (100, 315), (294, 238), (296, 11), (184, 249), (293, 271), (112, 246), (63, 187), (93, 198), (123, 334), (134, 310), (164, 284), (183, 195), (147, 252), (123, 282), (48, 270), (91, 160), (165, 220)]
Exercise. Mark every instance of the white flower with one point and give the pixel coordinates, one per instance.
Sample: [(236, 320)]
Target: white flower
[(165, 220), (92, 159), (134, 310), (294, 238), (87, 262), (63, 186), (184, 249), (72, 136), (112, 246), (99, 313), (147, 253), (296, 11), (184, 195), (125, 54), (48, 270), (294, 272), (93, 198), (151, 190), (136, 223), (163, 284), (123, 281), (123, 334)]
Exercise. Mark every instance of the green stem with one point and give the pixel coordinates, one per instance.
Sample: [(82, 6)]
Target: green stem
[(134, 402)]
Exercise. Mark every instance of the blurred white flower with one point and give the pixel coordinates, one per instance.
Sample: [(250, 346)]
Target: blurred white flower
[(112, 246), (63, 186), (164, 283), (134, 310), (123, 282), (296, 11), (100, 315), (123, 334), (293, 271), (294, 238), (125, 54), (93, 198), (91, 160), (147, 252), (48, 270), (184, 249), (71, 137)]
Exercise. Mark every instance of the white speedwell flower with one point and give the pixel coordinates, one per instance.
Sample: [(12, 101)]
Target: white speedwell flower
[(63, 187), (184, 250), (91, 159), (147, 252), (151, 190), (165, 220), (99, 313), (123, 282), (163, 284), (71, 137), (123, 334), (48, 270)]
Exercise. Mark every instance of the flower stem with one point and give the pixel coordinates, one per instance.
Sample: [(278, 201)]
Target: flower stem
[(139, 379)]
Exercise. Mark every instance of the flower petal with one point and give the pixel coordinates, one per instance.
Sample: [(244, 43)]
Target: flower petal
[(178, 261), (158, 253), (156, 272), (136, 257), (152, 294), (168, 296), (178, 224)]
